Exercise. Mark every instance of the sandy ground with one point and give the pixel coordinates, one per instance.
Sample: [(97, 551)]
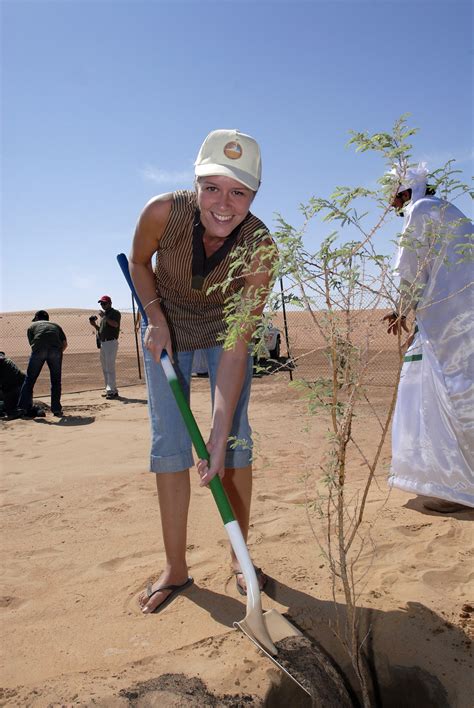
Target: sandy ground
[(81, 537)]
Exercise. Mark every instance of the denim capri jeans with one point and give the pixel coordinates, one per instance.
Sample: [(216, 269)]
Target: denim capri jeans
[(171, 448)]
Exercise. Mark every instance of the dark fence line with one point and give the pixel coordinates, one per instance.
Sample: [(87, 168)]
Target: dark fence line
[(308, 348), (81, 364)]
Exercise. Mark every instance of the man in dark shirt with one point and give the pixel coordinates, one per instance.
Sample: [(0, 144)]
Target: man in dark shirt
[(108, 331), (48, 342)]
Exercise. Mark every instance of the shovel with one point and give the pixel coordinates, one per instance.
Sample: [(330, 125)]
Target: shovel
[(263, 629)]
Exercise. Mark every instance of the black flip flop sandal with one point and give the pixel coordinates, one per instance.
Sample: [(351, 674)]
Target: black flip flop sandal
[(260, 574), (175, 591)]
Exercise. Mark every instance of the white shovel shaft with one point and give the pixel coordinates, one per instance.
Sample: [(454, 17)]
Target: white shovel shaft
[(254, 624), (241, 551), (168, 367)]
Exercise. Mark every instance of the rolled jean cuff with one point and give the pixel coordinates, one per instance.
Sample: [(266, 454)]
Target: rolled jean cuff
[(233, 459), (238, 458), (171, 446), (172, 463)]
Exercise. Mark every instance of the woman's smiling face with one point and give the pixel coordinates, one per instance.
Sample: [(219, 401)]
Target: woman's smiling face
[(223, 202)]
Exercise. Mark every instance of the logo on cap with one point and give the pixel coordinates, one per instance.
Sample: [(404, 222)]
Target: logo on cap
[(233, 150)]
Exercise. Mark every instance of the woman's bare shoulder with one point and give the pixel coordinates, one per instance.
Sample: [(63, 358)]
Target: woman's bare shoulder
[(158, 208)]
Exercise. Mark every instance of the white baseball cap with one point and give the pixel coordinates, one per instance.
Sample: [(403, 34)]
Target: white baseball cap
[(231, 154)]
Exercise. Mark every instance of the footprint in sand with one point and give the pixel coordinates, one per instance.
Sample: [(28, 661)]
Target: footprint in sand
[(11, 602), (49, 518), (276, 527), (116, 509), (212, 648), (451, 538), (412, 528), (266, 497), (106, 499), (285, 495), (6, 693), (299, 574), (45, 552), (128, 561), (448, 579)]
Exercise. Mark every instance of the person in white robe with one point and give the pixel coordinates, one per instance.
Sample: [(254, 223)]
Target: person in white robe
[(433, 425)]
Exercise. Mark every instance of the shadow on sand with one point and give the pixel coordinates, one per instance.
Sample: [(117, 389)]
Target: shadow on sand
[(67, 420), (125, 400), (416, 504), (396, 643)]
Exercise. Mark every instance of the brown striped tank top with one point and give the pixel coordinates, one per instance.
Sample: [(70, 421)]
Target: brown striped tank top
[(195, 316)]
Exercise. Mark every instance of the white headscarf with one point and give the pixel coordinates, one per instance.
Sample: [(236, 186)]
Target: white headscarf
[(413, 178)]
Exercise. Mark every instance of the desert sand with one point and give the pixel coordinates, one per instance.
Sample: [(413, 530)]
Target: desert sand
[(81, 538)]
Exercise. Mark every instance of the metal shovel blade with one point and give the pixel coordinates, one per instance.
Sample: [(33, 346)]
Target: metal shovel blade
[(277, 628)]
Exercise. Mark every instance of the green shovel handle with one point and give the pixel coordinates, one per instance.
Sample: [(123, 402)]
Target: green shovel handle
[(215, 485)]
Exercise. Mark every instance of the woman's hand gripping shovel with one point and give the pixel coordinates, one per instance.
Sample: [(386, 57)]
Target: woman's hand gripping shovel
[(263, 629)]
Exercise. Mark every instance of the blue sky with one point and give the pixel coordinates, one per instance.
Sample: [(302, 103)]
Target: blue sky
[(105, 104)]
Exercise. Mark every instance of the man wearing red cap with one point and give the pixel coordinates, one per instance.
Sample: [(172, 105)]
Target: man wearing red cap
[(108, 332)]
